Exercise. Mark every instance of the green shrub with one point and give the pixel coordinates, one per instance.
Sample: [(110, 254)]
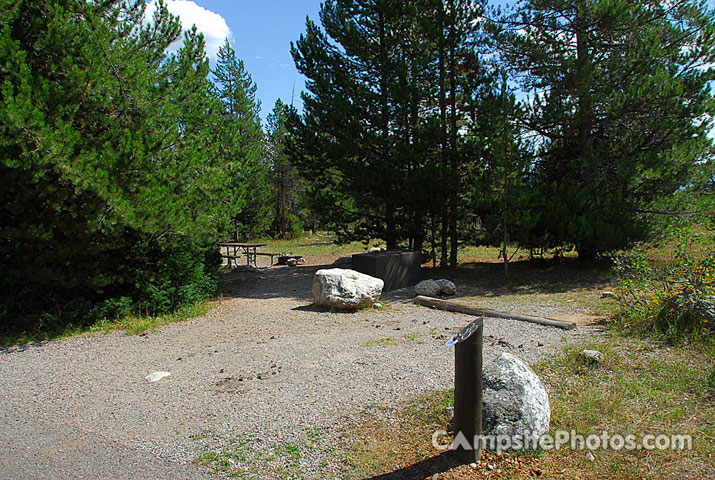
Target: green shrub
[(669, 285), (145, 277)]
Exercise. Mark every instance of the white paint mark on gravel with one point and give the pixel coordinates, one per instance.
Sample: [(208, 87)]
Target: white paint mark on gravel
[(156, 376)]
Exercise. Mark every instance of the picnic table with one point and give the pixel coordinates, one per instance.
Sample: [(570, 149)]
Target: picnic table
[(250, 250)]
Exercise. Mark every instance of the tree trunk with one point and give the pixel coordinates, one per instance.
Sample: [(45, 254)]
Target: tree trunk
[(585, 107), (390, 233), (284, 217), (443, 140), (454, 168), (505, 217)]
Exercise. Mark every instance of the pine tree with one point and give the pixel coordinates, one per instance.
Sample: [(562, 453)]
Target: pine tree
[(109, 163), (500, 193), (380, 155), (620, 98), (244, 142), (344, 140), (287, 185)]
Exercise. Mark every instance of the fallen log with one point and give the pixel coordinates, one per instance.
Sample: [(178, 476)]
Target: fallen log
[(487, 312)]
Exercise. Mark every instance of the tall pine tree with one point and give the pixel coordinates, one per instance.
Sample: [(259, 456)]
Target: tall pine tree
[(381, 154), (244, 144), (110, 163), (287, 184), (620, 96)]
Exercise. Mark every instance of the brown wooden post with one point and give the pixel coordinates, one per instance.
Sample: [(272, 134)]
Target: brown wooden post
[(468, 390)]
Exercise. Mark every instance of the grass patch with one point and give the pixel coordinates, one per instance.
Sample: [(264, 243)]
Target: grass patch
[(392, 341), (397, 442), (132, 324), (135, 324), (321, 243), (643, 387), (231, 460), (247, 457), (384, 439)]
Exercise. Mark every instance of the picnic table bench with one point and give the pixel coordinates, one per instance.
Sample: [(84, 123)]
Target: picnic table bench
[(272, 255), (250, 251)]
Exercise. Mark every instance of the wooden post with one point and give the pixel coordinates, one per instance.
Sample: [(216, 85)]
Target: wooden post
[(468, 390)]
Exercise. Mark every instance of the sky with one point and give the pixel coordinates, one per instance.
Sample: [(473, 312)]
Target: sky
[(261, 32)]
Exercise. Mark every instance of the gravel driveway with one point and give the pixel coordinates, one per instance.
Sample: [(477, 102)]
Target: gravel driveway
[(262, 372)]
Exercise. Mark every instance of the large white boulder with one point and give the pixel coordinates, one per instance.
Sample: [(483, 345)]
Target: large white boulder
[(515, 403), (342, 288)]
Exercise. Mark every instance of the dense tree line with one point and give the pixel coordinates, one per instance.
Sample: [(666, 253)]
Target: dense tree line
[(411, 130), (121, 164)]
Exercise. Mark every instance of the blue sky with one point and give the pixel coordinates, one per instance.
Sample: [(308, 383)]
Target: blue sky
[(260, 31), (261, 34)]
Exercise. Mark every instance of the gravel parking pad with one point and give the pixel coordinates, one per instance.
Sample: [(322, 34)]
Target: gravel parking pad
[(261, 370)]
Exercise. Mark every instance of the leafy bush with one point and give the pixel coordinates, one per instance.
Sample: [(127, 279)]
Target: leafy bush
[(151, 277), (679, 273), (186, 274)]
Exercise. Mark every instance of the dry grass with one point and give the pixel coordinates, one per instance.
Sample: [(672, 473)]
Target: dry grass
[(559, 282), (396, 444), (318, 244), (642, 388)]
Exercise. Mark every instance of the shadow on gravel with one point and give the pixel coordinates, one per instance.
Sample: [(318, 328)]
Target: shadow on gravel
[(424, 469), (314, 308), (20, 347), (473, 279), (526, 276), (275, 282)]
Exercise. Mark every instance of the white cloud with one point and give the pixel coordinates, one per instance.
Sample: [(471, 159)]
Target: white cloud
[(211, 24)]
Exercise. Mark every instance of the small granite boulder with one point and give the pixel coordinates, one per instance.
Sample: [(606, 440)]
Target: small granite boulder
[(345, 289), (515, 402), (592, 357), (343, 262), (685, 312), (446, 287), (434, 288), (428, 288)]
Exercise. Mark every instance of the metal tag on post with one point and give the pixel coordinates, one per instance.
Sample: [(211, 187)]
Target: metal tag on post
[(466, 332)]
